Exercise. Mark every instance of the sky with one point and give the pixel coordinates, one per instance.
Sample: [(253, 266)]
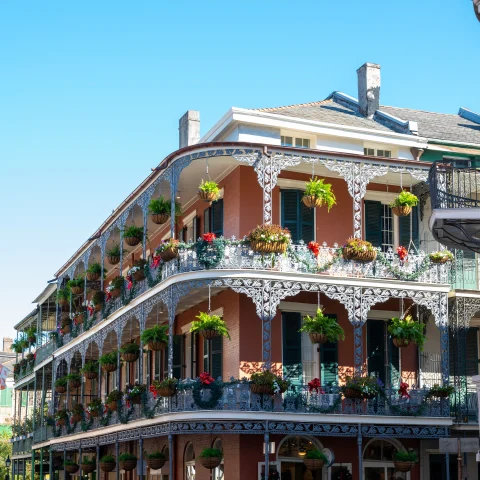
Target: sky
[(91, 93)]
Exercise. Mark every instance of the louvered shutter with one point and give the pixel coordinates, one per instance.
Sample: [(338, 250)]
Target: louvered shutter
[(217, 218), (178, 344), (290, 212), (404, 224), (292, 346), (307, 219), (329, 361), (206, 355), (216, 357), (376, 348), (394, 364), (373, 222), (193, 355), (206, 220)]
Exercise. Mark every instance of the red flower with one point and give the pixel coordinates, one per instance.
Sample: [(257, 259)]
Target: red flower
[(314, 247), (315, 385), (90, 310), (156, 261), (206, 379), (402, 253), (403, 390), (209, 237), (153, 390), (105, 410), (108, 296), (129, 282)]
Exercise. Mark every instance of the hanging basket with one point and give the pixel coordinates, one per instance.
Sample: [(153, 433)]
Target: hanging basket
[(67, 328), (76, 290), (60, 389), (155, 463), (91, 375), (169, 253), (72, 468), (209, 334), (351, 254), (113, 406), (439, 261), (132, 241), (88, 467), (351, 393), (115, 293), (318, 338), (62, 421), (210, 462), (166, 391), (160, 218), (130, 357), (31, 339), (113, 259), (261, 389), (157, 346), (63, 302), (128, 465), (74, 384), (401, 342), (76, 417), (402, 466), (93, 277), (207, 196), (30, 357), (136, 400), (313, 463), (402, 211), (139, 275), (109, 367), (272, 247), (95, 413), (65, 316), (312, 201), (107, 466)]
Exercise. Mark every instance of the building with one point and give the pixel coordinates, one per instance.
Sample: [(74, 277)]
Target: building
[(261, 160)]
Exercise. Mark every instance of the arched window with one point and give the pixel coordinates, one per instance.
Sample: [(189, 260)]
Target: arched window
[(218, 473), (378, 456), (189, 462)]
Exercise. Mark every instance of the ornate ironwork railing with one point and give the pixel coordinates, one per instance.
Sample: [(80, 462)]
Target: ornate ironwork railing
[(22, 446), (44, 351)]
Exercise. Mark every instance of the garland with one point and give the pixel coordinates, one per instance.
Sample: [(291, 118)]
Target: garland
[(414, 411), (315, 268), (124, 417), (216, 390), (329, 409), (149, 412), (399, 274), (210, 254)]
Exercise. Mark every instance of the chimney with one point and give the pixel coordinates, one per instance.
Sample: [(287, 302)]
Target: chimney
[(7, 344), (368, 76), (189, 129)]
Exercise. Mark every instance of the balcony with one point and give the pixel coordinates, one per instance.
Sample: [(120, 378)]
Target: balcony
[(22, 447)]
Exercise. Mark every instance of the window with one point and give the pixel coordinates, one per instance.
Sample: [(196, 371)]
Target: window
[(375, 152), (218, 473), (189, 462), (297, 217), (178, 362), (212, 356), (213, 218), (190, 230), (298, 142)]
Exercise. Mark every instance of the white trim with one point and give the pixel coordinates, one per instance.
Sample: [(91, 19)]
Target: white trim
[(188, 218), (284, 183), (186, 328), (383, 314), (385, 197), (303, 308)]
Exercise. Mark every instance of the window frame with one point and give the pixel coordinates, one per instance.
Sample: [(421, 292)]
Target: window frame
[(376, 148), (296, 136)]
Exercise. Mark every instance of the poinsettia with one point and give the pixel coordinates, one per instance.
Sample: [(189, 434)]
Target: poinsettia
[(402, 253), (206, 379), (209, 237), (314, 385), (314, 247)]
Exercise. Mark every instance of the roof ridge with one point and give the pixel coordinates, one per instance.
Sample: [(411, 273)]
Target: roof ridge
[(416, 110), (318, 102)]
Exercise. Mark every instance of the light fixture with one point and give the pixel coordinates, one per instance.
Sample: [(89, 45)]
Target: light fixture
[(302, 451), (271, 448), (8, 462)]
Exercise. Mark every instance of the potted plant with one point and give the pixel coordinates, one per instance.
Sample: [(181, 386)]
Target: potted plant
[(403, 461), (442, 256), (133, 235), (130, 351), (160, 210), (443, 391), (359, 250), (208, 190), (108, 463), (98, 300), (31, 334), (128, 461), (406, 330), (209, 326), (267, 383), (138, 270), (403, 203), (113, 254), (156, 337), (94, 408), (361, 387), (67, 325), (77, 413), (135, 392), (71, 466), (90, 369), (88, 465), (269, 239), (74, 381), (94, 272), (315, 459), (114, 289), (63, 296), (322, 328), (109, 361), (61, 385), (113, 398), (30, 357), (76, 285), (318, 193), (165, 388), (155, 460), (211, 458), (17, 346), (168, 249), (61, 416)]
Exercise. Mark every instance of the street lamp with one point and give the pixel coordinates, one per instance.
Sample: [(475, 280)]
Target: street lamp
[(8, 462)]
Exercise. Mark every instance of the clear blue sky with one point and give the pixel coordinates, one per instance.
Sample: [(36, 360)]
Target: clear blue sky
[(91, 93)]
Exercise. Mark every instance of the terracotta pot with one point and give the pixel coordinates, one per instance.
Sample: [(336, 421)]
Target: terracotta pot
[(169, 254), (63, 302), (318, 338), (77, 290), (113, 259), (402, 211), (402, 466), (440, 261), (95, 413), (139, 275), (313, 463), (166, 391), (210, 462), (312, 201), (60, 389), (72, 468), (88, 467), (351, 393), (112, 406), (92, 277), (98, 307), (130, 357), (109, 367), (159, 218), (157, 346), (273, 247), (351, 254), (132, 241), (401, 342), (77, 417), (261, 389), (136, 400), (91, 375), (207, 196), (155, 463), (128, 465), (74, 384), (62, 421), (209, 334), (115, 293), (66, 328), (107, 466)]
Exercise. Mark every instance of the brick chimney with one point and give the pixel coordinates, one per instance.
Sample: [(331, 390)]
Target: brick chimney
[(189, 129), (368, 76), (7, 344)]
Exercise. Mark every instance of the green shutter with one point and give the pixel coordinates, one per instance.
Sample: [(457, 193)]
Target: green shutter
[(193, 354), (290, 212), (292, 346), (178, 342), (376, 348), (216, 357), (308, 220), (329, 361), (206, 220), (373, 222), (217, 218), (404, 223)]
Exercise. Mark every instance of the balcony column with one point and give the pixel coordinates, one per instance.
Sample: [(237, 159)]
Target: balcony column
[(102, 242), (97, 457), (121, 225), (442, 321), (50, 466), (266, 441), (32, 460), (117, 453), (360, 452), (82, 386), (140, 446), (41, 464), (144, 202), (170, 456), (43, 402)]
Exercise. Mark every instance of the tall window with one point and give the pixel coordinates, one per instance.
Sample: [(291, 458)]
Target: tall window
[(212, 356), (189, 462), (213, 218), (297, 217)]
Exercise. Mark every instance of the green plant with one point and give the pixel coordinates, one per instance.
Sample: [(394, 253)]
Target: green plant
[(315, 454), (61, 414), (158, 333), (98, 298), (31, 332), (441, 391), (109, 358), (209, 186), (114, 396), (108, 459), (405, 199), (367, 386), (88, 461), (70, 463), (155, 454), (61, 382), (90, 366), (130, 347), (442, 255), (324, 325), (166, 383), (116, 283), (74, 377), (95, 405), (63, 294), (408, 329), (166, 244), (114, 251), (135, 390), (94, 268), (160, 206), (77, 408), (269, 234), (126, 456), (76, 282), (211, 453), (317, 187), (268, 378), (410, 456), (17, 346), (133, 231), (210, 322), (358, 245)]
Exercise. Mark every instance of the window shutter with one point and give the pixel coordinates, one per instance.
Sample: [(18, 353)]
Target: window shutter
[(394, 361), (217, 218), (193, 355), (206, 356), (216, 357), (329, 361), (290, 212), (292, 346), (178, 342), (404, 223), (196, 228), (373, 222), (376, 348), (206, 220), (471, 352), (308, 222)]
